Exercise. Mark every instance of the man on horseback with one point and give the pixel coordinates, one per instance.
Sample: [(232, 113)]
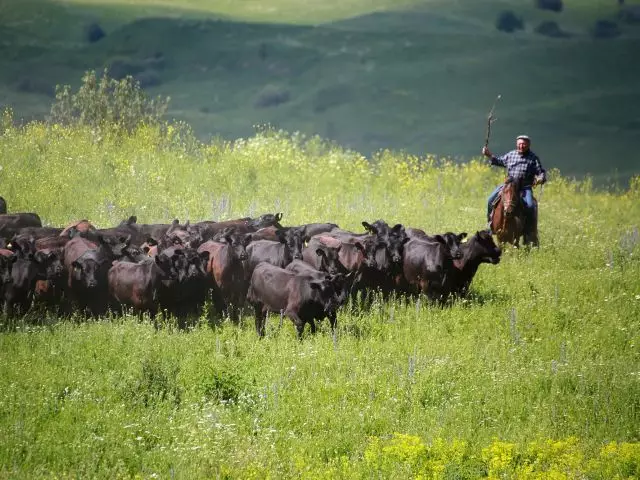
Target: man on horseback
[(524, 166)]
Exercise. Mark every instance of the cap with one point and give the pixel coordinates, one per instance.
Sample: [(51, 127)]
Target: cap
[(523, 137)]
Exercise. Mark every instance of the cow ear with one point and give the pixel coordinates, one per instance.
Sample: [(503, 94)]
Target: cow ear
[(398, 228), (370, 228), (40, 256), (462, 236), (278, 217), (321, 253), (439, 238), (132, 219), (76, 265), (360, 247)]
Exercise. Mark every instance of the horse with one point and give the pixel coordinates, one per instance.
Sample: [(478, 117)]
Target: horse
[(508, 216)]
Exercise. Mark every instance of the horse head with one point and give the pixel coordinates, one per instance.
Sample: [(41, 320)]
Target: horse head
[(510, 196)]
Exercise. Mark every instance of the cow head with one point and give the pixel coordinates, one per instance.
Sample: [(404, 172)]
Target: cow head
[(329, 260), (483, 247), (237, 242), (6, 262), (326, 295), (50, 263), (266, 220), (293, 239), (452, 241)]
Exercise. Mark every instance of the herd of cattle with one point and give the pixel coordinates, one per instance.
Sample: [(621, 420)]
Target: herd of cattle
[(305, 272)]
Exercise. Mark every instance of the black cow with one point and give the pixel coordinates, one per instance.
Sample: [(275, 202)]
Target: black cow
[(208, 229), (187, 291), (324, 258), (273, 289), (312, 229), (87, 265), (3, 206), (11, 223), (280, 253), (427, 269), (140, 285), (451, 240), (225, 266), (480, 248)]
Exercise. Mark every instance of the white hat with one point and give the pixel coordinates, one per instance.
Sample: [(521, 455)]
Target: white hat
[(523, 137)]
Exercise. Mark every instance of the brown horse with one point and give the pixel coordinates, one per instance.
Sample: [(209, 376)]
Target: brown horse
[(508, 217)]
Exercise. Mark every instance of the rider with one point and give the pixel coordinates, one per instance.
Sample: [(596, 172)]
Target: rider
[(521, 164)]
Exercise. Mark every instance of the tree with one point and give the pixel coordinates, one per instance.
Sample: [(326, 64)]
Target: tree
[(508, 22), (104, 101)]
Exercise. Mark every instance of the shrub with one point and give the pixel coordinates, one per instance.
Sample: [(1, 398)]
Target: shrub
[(94, 32), (551, 29), (105, 101), (553, 5), (605, 29), (508, 22), (272, 96)]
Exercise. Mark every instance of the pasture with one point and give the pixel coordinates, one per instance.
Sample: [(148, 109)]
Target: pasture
[(534, 375)]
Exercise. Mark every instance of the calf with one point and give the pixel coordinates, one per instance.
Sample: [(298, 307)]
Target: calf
[(478, 249), (298, 297)]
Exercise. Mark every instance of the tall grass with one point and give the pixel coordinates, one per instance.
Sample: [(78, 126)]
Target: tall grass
[(534, 375)]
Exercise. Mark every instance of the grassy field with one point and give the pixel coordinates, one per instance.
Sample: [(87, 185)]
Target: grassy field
[(418, 76), (535, 375)]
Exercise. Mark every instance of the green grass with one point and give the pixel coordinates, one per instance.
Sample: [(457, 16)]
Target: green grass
[(535, 374), (417, 75)]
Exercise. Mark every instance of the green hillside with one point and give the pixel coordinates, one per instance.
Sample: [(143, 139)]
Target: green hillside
[(417, 76)]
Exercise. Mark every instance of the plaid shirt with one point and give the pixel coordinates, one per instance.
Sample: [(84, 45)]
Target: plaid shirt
[(522, 167)]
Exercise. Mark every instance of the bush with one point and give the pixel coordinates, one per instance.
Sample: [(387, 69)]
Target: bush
[(104, 101), (94, 32), (605, 29), (553, 5), (551, 29), (272, 96), (508, 22)]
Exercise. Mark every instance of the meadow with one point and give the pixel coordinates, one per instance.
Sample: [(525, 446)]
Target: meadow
[(534, 375)]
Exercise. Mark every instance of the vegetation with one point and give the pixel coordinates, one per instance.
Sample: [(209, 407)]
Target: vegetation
[(533, 376), (339, 66)]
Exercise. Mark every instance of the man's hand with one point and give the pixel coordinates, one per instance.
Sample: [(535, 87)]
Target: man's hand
[(486, 152)]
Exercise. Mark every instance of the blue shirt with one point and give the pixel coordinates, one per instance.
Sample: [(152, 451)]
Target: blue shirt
[(522, 167)]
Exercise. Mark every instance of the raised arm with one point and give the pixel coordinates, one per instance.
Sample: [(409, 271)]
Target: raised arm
[(498, 161), (541, 173)]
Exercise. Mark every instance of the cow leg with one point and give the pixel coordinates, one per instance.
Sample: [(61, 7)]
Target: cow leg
[(298, 322), (333, 320), (261, 317)]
